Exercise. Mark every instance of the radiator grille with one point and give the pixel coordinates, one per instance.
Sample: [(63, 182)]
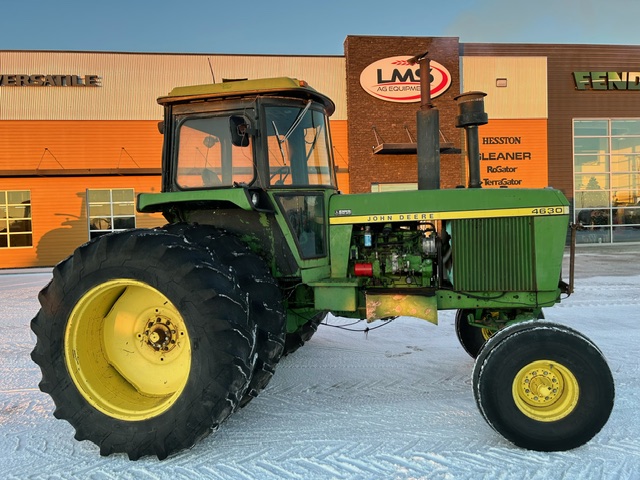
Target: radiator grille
[(493, 254)]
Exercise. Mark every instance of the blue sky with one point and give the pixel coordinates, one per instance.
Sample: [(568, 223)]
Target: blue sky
[(305, 28)]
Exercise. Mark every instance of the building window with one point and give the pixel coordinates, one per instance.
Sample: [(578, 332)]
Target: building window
[(606, 160), (393, 187), (15, 219), (111, 210)]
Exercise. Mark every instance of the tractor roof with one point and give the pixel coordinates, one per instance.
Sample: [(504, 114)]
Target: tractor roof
[(280, 86)]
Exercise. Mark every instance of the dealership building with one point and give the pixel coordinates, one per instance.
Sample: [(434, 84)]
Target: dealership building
[(79, 132)]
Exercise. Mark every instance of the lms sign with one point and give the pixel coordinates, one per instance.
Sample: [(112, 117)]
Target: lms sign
[(393, 79)]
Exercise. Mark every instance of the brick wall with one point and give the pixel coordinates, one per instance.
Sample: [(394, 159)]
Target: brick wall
[(389, 118)]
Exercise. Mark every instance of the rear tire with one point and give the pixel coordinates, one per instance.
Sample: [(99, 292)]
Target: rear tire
[(297, 339), (176, 343), (265, 299), (543, 386)]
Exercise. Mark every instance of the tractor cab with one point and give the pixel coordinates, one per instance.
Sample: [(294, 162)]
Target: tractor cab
[(254, 133), (246, 154)]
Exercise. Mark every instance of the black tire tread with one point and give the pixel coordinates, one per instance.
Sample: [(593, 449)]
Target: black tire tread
[(470, 337), (517, 345), (264, 296), (303, 334), (182, 270)]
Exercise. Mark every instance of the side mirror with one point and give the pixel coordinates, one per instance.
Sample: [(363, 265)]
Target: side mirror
[(239, 131)]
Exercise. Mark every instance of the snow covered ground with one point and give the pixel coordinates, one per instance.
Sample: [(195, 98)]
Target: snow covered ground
[(394, 404)]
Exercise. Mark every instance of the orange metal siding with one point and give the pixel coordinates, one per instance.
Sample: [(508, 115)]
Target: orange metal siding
[(59, 215), (341, 152), (73, 144), (59, 211), (70, 144)]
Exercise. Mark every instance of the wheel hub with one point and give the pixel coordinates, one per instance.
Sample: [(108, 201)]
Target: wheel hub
[(545, 390), (160, 334), (540, 386)]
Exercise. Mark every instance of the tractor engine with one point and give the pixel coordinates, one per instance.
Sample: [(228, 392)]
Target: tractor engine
[(396, 255)]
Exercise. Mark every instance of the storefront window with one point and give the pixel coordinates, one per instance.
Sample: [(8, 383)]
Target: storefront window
[(590, 128), (15, 219), (606, 159), (110, 210), (625, 127)]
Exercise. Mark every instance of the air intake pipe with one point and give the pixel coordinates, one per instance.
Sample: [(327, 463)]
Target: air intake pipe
[(472, 115)]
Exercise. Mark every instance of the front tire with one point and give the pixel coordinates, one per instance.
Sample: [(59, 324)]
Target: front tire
[(144, 343), (543, 386), (470, 337)]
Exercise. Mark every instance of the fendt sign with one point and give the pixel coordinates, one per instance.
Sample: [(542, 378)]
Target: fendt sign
[(607, 80), (393, 79)]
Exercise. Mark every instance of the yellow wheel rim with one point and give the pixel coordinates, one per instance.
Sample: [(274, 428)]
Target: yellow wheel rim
[(545, 391), (127, 350), (487, 334)]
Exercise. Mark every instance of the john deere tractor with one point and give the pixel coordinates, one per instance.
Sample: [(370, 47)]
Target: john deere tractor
[(148, 339)]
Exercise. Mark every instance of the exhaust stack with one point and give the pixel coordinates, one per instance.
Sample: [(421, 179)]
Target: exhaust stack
[(428, 126), (472, 115)]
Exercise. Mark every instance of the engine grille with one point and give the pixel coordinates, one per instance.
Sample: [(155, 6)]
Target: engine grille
[(493, 254)]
